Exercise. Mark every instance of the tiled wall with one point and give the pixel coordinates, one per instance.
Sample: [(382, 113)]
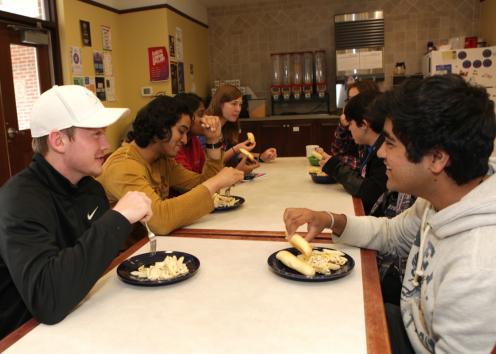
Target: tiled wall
[(241, 37)]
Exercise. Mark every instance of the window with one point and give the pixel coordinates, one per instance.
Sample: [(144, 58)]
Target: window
[(28, 8)]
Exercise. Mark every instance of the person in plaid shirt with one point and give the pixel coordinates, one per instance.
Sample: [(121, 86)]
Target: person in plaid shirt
[(343, 145)]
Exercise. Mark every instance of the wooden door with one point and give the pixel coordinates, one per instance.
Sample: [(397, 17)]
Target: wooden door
[(24, 74)]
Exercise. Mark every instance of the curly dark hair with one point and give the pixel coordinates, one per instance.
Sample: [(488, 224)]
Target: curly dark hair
[(155, 120), (358, 107), (445, 112)]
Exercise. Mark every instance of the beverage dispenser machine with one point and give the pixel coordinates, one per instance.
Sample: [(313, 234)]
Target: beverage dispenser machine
[(308, 74), (275, 88), (320, 73), (286, 76), (296, 75)]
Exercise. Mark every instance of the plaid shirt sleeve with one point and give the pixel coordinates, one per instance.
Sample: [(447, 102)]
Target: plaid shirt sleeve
[(344, 146)]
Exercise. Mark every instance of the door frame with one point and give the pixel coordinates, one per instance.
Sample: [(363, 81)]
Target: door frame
[(51, 27)]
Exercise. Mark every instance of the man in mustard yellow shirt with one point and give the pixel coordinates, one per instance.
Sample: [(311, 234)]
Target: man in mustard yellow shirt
[(146, 163)]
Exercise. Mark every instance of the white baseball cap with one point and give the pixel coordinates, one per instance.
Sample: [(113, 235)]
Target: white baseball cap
[(68, 106)]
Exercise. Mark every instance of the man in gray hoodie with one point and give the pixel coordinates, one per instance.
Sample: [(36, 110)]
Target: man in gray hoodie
[(439, 135)]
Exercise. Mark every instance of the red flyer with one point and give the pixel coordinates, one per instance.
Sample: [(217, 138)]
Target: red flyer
[(158, 62)]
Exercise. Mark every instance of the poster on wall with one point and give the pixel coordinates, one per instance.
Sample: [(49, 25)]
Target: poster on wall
[(98, 61), (78, 80), (107, 63), (89, 83), (106, 38), (100, 88), (179, 44), (85, 33), (76, 61), (174, 77), (158, 64), (110, 88), (172, 46), (180, 77)]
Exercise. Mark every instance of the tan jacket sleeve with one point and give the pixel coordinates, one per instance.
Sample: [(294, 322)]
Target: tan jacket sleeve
[(182, 179), (168, 214)]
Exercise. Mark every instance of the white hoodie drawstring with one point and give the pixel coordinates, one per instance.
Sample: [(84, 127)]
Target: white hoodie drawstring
[(424, 229)]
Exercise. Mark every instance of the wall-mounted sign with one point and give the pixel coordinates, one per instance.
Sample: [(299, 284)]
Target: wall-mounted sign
[(158, 63), (106, 38), (85, 33)]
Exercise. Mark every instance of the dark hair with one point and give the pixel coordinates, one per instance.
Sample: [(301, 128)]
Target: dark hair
[(155, 120), (357, 109), (363, 86), (193, 102), (190, 100), (377, 112), (225, 93), (445, 112)]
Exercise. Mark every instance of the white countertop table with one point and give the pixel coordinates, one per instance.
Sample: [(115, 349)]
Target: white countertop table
[(234, 304), (286, 183)]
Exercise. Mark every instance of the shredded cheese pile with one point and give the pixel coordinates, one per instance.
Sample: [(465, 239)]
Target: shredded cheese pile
[(169, 268), (325, 261), (222, 201)]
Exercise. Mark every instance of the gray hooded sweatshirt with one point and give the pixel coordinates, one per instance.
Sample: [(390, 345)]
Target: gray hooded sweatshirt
[(448, 298)]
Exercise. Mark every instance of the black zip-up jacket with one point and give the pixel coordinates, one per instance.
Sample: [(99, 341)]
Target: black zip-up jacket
[(368, 188), (56, 240)]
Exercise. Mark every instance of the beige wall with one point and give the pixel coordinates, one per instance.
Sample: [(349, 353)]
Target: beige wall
[(243, 36), (132, 34), (487, 21)]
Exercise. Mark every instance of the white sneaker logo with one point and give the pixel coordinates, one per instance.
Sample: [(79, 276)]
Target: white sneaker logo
[(90, 216)]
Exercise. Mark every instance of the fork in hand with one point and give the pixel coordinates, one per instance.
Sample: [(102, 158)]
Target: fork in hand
[(153, 239)]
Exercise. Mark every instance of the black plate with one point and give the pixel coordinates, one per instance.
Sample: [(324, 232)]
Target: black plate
[(322, 179), (125, 268), (239, 201), (280, 269)]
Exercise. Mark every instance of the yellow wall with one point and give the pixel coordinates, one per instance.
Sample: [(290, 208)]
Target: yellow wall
[(195, 38), (132, 34), (487, 20)]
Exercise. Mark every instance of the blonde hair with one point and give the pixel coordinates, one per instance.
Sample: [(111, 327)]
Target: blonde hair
[(40, 144)]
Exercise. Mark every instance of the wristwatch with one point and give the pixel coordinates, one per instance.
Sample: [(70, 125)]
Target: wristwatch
[(214, 146)]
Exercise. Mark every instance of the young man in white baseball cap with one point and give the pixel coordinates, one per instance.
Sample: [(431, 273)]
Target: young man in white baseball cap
[(57, 232)]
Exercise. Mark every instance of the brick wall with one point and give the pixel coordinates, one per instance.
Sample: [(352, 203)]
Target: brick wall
[(241, 37), (26, 84)]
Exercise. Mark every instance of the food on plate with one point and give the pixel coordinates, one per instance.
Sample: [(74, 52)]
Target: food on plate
[(301, 245), (316, 155), (247, 154), (325, 261), (314, 169), (291, 261), (223, 201), (169, 268), (251, 137)]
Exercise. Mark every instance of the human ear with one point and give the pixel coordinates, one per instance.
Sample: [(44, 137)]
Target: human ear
[(57, 141), (439, 161)]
